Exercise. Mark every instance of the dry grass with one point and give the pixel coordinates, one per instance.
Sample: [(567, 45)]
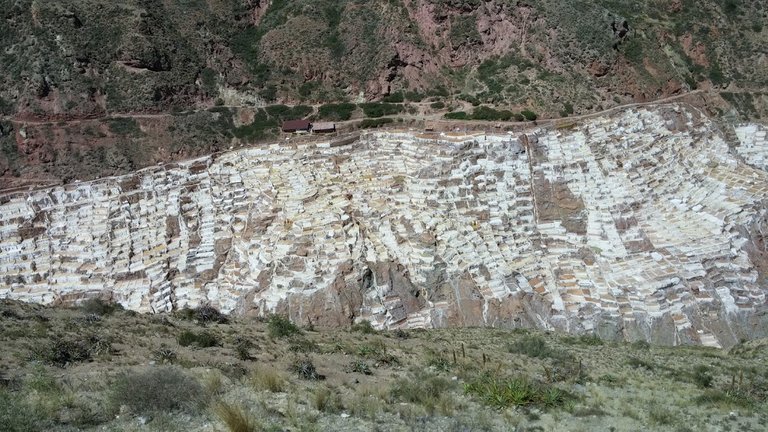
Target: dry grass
[(326, 400), (235, 417), (213, 382), (267, 378), (424, 389)]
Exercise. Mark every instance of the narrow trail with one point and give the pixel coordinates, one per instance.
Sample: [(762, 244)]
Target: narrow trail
[(436, 118)]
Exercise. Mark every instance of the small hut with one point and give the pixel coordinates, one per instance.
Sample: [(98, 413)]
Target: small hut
[(292, 126), (324, 127)]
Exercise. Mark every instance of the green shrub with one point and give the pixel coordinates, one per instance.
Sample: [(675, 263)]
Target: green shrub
[(209, 314), (638, 363), (457, 115), (529, 115), (439, 362), (633, 50), (716, 75), (661, 415), (243, 348), (535, 347), (124, 126), (203, 339), (158, 389), (641, 345), (469, 98), (364, 327), (279, 326), (305, 369), (487, 113), (16, 415), (731, 7), (425, 389), (164, 354), (327, 401), (515, 391), (336, 112), (702, 376), (6, 107), (438, 91), (376, 109), (62, 352), (208, 80), (585, 339), (414, 96), (725, 398), (360, 366), (377, 351), (374, 123), (437, 105), (464, 31), (262, 127), (567, 110), (303, 345), (397, 97), (401, 334), (99, 307), (284, 112)]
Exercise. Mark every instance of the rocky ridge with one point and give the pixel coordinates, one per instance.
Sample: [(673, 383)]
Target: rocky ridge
[(638, 226)]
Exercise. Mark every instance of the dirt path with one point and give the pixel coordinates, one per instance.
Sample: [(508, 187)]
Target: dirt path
[(434, 116)]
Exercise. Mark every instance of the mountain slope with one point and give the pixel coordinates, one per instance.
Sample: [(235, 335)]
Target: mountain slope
[(83, 57)]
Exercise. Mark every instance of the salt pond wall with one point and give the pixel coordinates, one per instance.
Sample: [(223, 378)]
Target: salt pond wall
[(643, 225)]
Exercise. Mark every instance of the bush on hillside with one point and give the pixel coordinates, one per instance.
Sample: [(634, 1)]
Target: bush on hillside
[(159, 389)]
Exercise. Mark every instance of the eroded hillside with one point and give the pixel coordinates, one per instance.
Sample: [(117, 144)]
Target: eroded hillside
[(67, 58)]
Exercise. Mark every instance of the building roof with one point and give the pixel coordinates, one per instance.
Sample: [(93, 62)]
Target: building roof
[(295, 125), (324, 126)]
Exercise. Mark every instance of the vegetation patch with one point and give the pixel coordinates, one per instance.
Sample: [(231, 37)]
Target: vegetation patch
[(16, 415), (124, 126), (158, 389), (529, 115), (284, 112), (374, 123), (269, 379), (262, 126), (515, 391), (487, 113), (457, 115), (428, 390), (203, 339), (205, 314), (378, 109), (305, 369), (536, 347), (336, 112), (364, 327), (280, 326), (99, 307), (64, 351)]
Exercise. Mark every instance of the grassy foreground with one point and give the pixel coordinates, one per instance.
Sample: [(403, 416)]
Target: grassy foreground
[(98, 367)]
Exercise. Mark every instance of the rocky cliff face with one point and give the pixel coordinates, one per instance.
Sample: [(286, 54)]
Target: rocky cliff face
[(638, 226)]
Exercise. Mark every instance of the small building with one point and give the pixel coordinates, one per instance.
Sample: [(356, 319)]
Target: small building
[(324, 127), (291, 126)]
